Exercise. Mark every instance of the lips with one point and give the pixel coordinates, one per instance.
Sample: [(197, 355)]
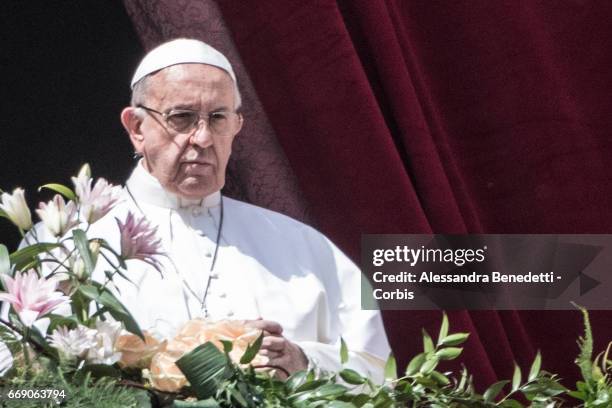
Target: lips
[(197, 162), (197, 167)]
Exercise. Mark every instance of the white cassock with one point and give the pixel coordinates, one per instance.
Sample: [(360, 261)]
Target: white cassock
[(268, 266)]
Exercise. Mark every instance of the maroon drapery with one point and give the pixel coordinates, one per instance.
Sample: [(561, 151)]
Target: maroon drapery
[(420, 116)]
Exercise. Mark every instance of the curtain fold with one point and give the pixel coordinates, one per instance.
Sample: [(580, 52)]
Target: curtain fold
[(425, 116)]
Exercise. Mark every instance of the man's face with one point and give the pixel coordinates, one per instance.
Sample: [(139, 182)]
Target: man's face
[(190, 164)]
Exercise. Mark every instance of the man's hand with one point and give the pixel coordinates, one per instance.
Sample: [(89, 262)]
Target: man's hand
[(280, 351)]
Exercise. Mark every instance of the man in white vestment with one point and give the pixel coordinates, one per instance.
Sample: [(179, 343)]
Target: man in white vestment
[(227, 259)]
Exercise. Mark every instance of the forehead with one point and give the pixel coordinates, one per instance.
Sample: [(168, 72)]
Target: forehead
[(190, 82)]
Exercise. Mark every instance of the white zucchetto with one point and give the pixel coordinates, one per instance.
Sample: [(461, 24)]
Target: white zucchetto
[(181, 51)]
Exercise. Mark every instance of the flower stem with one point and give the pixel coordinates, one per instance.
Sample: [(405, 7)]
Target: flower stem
[(26, 352), (34, 343)]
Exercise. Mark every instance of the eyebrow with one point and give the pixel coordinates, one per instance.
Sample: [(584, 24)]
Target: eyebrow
[(182, 107), (190, 107)]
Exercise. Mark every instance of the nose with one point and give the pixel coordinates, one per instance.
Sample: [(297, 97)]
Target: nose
[(201, 135)]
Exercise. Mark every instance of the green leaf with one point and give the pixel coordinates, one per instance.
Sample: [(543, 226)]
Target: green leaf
[(103, 296), (415, 364), (310, 385), (360, 400), (207, 403), (443, 329), (252, 350), (236, 395), (429, 365), (82, 244), (344, 355), (227, 346), (329, 391), (59, 188), (312, 390), (580, 395), (454, 339), (511, 403), (516, 377), (99, 312), (5, 260), (296, 379), (338, 404), (351, 377), (440, 378), (449, 353), (205, 369), (494, 390), (426, 380), (428, 346), (535, 367), (300, 397), (24, 256), (391, 368), (58, 321)]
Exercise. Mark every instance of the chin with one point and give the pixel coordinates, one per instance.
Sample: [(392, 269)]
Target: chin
[(197, 187)]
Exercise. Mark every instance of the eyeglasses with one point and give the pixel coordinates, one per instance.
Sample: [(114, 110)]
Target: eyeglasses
[(186, 120)]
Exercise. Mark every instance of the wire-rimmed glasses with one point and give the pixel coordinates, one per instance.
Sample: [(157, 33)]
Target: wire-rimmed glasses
[(186, 120)]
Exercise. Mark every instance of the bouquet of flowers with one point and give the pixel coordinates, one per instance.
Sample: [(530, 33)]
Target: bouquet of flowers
[(59, 319)]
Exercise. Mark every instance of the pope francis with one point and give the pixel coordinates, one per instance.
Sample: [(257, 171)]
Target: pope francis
[(228, 259)]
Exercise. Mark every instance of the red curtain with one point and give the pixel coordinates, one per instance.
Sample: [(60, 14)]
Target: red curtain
[(426, 116)]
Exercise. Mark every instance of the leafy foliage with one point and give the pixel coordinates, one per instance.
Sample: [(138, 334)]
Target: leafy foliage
[(596, 388), (422, 384), (220, 383), (80, 391)]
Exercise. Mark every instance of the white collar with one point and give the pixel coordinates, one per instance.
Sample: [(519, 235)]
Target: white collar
[(147, 189)]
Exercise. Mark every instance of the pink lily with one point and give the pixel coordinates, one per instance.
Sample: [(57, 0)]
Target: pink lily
[(139, 240), (31, 297), (95, 202)]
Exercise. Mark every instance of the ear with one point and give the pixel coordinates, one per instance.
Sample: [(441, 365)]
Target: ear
[(239, 125), (131, 118)]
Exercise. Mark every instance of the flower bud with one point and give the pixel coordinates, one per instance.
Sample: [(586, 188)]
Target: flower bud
[(16, 209), (85, 171), (94, 247), (78, 268)]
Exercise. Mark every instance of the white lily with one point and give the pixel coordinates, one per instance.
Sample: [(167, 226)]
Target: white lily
[(73, 343), (16, 208), (104, 350), (58, 216)]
